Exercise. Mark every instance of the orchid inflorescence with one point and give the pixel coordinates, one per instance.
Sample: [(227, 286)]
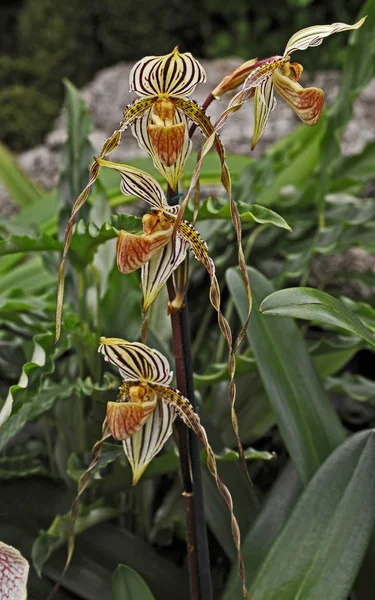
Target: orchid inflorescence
[(147, 405)]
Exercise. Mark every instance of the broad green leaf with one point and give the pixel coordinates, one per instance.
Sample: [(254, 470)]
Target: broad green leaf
[(320, 549), (317, 306), (21, 187), (128, 585), (48, 541), (16, 243), (357, 387), (307, 420), (275, 511), (30, 277), (249, 213)]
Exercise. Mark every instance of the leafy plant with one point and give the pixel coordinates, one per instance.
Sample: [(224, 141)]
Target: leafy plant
[(307, 518)]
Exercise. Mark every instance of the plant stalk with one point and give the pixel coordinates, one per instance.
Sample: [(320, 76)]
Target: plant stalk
[(189, 452)]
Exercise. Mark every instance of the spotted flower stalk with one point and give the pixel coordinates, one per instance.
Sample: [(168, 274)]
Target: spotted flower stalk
[(141, 418)]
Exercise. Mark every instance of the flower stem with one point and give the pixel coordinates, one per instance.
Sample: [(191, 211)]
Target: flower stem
[(189, 451)]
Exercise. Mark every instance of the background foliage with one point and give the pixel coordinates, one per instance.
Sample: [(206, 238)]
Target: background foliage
[(43, 41), (305, 388)]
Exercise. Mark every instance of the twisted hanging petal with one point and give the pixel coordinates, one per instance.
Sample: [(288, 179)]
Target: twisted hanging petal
[(264, 103), (14, 570), (173, 172), (141, 447), (136, 361), (135, 251), (182, 405), (133, 112), (82, 485), (313, 36), (307, 103), (135, 182), (173, 74), (157, 271)]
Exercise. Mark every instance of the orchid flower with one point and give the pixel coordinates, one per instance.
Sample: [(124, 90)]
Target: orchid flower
[(14, 570), (278, 73), (143, 414), (142, 419), (159, 118)]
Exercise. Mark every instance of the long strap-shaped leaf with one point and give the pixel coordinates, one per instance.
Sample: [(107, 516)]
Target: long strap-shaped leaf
[(133, 112), (82, 485), (174, 398)]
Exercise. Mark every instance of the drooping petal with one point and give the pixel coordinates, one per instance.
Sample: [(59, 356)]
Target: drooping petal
[(141, 447), (134, 251), (173, 172), (156, 271), (135, 182), (126, 418), (307, 103), (313, 36), (14, 570), (136, 361), (264, 103), (199, 117), (133, 112), (231, 82), (185, 410), (174, 74)]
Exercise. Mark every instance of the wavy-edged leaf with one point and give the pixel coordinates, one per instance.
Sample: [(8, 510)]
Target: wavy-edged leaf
[(128, 585), (317, 306), (87, 238), (307, 421), (330, 527), (23, 243)]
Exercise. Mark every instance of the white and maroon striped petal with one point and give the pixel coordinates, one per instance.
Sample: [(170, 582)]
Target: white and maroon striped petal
[(155, 272), (141, 447), (313, 36), (135, 182), (174, 172), (135, 361), (173, 74), (264, 103), (14, 570)]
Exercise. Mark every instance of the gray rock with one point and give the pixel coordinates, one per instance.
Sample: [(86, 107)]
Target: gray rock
[(108, 95)]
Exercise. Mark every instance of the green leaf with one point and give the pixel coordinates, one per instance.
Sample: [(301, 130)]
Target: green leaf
[(48, 541), (128, 585), (255, 547), (30, 277), (317, 306), (17, 243), (219, 371), (307, 420), (220, 209), (87, 238), (22, 189), (21, 466), (320, 549)]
